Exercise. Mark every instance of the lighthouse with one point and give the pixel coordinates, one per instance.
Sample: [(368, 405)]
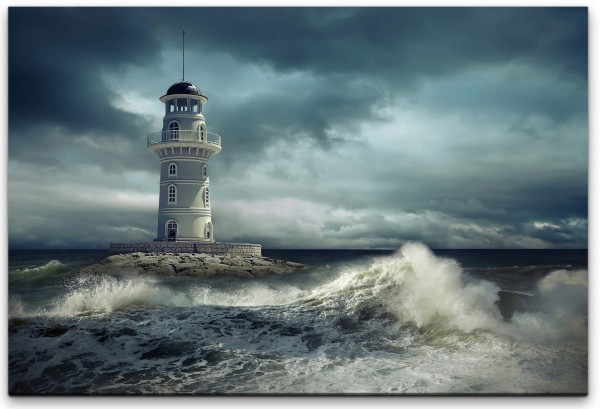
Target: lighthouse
[(184, 147)]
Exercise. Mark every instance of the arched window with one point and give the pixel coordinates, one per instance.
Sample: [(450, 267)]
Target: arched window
[(204, 171), (172, 194), (173, 134), (171, 230), (206, 198), (202, 133), (172, 169)]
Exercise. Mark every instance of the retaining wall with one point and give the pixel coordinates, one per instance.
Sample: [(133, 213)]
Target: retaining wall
[(186, 247)]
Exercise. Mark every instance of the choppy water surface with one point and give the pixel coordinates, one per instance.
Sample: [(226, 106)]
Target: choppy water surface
[(408, 322)]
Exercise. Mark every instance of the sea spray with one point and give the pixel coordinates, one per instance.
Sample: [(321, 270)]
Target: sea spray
[(423, 289), (105, 294), (562, 315), (251, 294), (430, 287), (418, 287)]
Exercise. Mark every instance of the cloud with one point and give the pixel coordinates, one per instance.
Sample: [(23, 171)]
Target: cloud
[(57, 208), (400, 43), (57, 57)]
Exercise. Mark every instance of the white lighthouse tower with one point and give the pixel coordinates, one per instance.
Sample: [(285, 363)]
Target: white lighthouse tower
[(184, 148)]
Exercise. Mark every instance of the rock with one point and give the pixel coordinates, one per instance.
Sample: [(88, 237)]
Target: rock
[(217, 266), (163, 269), (191, 264), (260, 262)]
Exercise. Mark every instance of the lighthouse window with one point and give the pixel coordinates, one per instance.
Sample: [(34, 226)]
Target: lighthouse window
[(174, 131), (194, 106), (172, 169), (204, 171), (182, 104), (200, 130), (172, 194), (170, 106), (206, 197)]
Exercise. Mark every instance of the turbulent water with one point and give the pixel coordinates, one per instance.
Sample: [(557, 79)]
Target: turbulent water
[(366, 322)]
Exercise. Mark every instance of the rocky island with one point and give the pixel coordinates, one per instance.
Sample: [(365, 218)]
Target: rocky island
[(192, 264)]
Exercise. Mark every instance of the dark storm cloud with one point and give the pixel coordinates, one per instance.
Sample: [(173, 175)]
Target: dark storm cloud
[(325, 116), (57, 57), (402, 43), (562, 233), (391, 50), (509, 195)]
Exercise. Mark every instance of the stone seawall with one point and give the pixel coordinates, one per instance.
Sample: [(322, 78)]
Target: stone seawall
[(244, 249)]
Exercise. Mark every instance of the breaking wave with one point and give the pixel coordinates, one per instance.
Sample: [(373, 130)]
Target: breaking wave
[(38, 273), (423, 289)]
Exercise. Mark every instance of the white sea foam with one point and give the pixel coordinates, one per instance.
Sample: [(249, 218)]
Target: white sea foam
[(16, 307), (419, 288), (563, 310), (423, 289), (105, 294), (250, 295)]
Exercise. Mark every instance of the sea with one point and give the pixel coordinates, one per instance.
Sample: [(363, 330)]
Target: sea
[(411, 321)]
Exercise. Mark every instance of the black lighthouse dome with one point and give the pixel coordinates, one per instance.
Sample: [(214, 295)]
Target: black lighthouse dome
[(183, 87)]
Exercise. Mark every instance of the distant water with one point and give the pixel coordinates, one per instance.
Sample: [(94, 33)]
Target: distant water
[(355, 321)]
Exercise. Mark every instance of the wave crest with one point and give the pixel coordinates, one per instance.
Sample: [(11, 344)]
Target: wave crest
[(425, 290), (47, 270), (419, 288)]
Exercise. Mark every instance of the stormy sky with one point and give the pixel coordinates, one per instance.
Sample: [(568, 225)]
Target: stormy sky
[(341, 127)]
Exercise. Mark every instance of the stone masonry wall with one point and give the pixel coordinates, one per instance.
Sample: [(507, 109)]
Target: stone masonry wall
[(244, 249)]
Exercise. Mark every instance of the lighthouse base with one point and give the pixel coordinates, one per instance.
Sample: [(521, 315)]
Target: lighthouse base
[(186, 247)]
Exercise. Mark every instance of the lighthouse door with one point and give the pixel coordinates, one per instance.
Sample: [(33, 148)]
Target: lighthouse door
[(172, 230)]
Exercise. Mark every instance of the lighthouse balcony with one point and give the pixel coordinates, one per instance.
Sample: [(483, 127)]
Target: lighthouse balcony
[(180, 137)]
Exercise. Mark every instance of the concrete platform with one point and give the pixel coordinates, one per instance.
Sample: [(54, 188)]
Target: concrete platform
[(246, 249)]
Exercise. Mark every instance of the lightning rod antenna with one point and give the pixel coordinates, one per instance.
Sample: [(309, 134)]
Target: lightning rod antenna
[(183, 56)]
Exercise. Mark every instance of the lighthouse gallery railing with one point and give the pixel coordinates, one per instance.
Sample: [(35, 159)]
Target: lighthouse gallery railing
[(184, 136)]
